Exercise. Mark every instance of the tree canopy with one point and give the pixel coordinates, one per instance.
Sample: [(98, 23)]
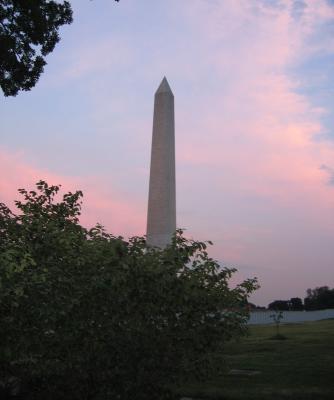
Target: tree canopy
[(88, 315), (319, 298), (29, 31), (294, 304)]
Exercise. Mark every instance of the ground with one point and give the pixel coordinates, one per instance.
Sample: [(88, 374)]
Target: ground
[(299, 368)]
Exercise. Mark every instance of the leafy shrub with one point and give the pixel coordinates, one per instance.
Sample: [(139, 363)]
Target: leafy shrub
[(87, 315)]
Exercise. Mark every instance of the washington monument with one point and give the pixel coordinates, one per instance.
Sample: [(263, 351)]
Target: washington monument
[(161, 214)]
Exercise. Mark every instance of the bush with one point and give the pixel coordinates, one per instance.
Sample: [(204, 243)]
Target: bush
[(87, 315)]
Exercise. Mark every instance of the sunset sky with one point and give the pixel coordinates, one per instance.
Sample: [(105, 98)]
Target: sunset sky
[(254, 107)]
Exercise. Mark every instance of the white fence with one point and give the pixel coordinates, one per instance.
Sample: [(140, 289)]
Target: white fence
[(263, 317)]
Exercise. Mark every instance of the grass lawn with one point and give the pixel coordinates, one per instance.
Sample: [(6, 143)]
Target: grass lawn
[(299, 368)]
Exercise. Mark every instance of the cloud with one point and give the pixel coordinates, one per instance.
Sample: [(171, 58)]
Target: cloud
[(101, 202), (251, 139), (90, 59), (256, 125), (330, 172)]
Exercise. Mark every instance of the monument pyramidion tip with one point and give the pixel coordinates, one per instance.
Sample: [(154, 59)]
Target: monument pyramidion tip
[(164, 87)]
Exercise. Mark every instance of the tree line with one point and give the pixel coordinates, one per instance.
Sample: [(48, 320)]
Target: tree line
[(319, 298)]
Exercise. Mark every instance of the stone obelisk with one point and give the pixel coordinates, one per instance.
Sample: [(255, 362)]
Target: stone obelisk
[(161, 214)]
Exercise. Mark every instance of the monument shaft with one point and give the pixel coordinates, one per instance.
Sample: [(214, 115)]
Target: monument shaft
[(161, 215)]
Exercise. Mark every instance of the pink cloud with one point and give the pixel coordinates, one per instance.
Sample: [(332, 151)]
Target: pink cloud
[(258, 125), (251, 141), (101, 203)]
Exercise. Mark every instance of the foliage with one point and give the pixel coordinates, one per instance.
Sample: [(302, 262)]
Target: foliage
[(319, 298), (294, 304), (282, 305), (29, 31), (87, 315)]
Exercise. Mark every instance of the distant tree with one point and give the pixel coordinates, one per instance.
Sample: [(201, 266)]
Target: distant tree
[(252, 306), (29, 31), (319, 298), (280, 305), (277, 317), (296, 304), (86, 315)]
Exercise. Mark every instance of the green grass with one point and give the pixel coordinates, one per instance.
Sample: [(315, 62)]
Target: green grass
[(299, 368)]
